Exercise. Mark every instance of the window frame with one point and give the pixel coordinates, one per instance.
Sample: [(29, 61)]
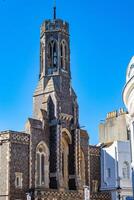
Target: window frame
[(126, 170), (42, 179), (18, 180), (108, 172)]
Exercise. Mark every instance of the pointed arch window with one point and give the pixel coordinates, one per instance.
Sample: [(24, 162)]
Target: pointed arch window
[(64, 55), (42, 168), (41, 58), (61, 59), (66, 140), (42, 165), (55, 54), (52, 54), (42, 63)]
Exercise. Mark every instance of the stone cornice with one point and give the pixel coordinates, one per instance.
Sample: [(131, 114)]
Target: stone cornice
[(14, 137)]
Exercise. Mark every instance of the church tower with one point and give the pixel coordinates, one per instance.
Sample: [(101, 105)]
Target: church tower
[(55, 104), (54, 68), (50, 159)]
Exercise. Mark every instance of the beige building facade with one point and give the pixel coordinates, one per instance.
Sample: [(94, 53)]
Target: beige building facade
[(114, 127), (114, 141)]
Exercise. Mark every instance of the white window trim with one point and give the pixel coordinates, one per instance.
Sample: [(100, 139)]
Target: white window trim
[(45, 152), (40, 178), (126, 170), (19, 176), (108, 173)]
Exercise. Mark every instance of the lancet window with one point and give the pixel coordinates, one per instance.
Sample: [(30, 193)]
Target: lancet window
[(65, 152), (41, 58), (64, 55), (66, 140), (42, 164), (52, 54)]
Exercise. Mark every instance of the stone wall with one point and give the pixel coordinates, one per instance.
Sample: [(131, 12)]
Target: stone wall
[(14, 158), (84, 141), (38, 133), (95, 175), (19, 162), (57, 195), (100, 196), (94, 154), (4, 173)]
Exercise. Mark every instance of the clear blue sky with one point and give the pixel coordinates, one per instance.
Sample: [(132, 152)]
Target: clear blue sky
[(102, 43)]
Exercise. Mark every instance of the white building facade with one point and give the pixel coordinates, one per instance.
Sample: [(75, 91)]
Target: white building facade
[(128, 98), (116, 169)]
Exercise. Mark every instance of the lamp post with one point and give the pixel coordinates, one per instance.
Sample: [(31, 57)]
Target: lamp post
[(119, 192), (119, 189)]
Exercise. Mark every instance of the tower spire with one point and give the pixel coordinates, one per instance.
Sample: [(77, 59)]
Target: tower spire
[(54, 10)]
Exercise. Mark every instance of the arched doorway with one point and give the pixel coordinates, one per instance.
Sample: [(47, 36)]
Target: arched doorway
[(66, 140)]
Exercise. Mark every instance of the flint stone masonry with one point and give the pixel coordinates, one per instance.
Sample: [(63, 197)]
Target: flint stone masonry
[(52, 154), (94, 160), (4, 169), (50, 195), (14, 157)]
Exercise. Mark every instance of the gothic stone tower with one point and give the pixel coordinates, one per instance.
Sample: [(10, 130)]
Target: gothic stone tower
[(50, 158), (56, 101)]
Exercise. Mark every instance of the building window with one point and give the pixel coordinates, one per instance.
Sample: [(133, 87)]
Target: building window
[(61, 54), (52, 54), (108, 173), (64, 55), (66, 140), (94, 186), (49, 55), (55, 55), (126, 170), (18, 180), (42, 165), (41, 58)]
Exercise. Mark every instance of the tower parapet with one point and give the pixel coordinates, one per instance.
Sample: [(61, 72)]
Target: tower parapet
[(54, 25)]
